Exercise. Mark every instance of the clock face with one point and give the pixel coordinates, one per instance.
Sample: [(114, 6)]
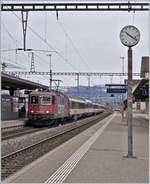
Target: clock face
[(129, 36)]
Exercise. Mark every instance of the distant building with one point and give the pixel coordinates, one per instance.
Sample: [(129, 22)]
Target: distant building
[(145, 67), (141, 90)]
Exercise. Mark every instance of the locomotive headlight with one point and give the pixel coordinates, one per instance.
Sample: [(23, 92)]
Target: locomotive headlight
[(32, 111), (47, 111)]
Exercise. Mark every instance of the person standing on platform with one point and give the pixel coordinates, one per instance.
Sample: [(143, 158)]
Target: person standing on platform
[(125, 111), (126, 114), (122, 112)]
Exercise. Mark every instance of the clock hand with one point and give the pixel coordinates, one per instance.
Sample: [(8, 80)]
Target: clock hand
[(131, 36)]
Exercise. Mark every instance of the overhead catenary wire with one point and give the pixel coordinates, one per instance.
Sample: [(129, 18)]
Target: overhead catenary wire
[(23, 52), (9, 34), (72, 42), (48, 44), (46, 41), (14, 40), (66, 34), (7, 50), (41, 38)]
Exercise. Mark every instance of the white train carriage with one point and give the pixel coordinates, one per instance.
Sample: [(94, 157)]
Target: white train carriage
[(98, 108), (89, 105), (78, 107), (82, 108)]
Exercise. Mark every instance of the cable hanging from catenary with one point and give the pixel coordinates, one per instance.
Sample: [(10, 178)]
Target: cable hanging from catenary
[(9, 34), (71, 41), (68, 36)]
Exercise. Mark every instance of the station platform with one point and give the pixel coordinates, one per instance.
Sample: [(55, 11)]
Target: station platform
[(12, 123), (94, 156)]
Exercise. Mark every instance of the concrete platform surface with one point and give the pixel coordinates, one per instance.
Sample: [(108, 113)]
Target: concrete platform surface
[(94, 156), (11, 123)]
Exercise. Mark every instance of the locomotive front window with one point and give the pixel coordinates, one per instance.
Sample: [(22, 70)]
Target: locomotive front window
[(46, 100), (34, 99)]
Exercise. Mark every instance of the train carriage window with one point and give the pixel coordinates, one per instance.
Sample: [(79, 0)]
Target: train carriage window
[(34, 100), (46, 100), (81, 106), (75, 105)]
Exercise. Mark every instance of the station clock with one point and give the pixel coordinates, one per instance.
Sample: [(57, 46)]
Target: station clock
[(130, 36)]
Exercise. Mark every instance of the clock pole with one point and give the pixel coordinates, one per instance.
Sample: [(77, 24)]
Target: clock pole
[(130, 100), (130, 37)]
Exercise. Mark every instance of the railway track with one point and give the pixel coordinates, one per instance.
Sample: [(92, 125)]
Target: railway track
[(16, 160), (19, 132)]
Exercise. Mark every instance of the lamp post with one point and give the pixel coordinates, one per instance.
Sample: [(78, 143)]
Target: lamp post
[(122, 58), (50, 65), (130, 37)]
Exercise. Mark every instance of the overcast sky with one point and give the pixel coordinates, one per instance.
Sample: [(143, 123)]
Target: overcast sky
[(88, 41)]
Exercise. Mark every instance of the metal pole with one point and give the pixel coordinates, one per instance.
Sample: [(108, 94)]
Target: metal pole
[(89, 81), (24, 15), (32, 68), (130, 97), (78, 83), (0, 47), (122, 58), (89, 88), (122, 63), (50, 73)]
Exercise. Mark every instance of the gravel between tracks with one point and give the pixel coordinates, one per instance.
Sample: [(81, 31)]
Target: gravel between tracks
[(17, 143)]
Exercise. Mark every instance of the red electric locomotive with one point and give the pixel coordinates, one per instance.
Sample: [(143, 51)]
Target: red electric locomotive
[(45, 107)]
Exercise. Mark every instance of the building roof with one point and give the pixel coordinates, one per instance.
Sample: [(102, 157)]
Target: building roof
[(9, 81), (140, 87), (142, 90)]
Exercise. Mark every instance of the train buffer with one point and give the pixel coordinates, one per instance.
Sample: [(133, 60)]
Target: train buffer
[(94, 156)]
